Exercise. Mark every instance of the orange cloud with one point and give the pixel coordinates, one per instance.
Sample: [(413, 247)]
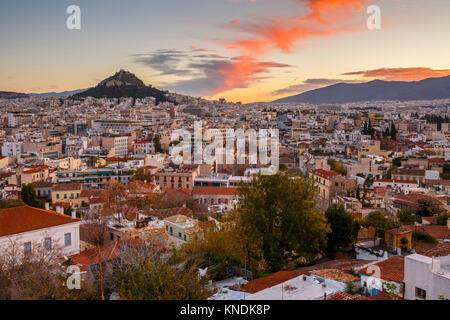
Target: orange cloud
[(240, 72), (326, 17), (330, 11), (401, 74)]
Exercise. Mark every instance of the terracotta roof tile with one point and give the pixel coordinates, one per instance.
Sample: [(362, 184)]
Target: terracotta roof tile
[(23, 219), (392, 269)]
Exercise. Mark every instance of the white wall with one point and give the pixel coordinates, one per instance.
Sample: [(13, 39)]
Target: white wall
[(427, 274), (37, 238)]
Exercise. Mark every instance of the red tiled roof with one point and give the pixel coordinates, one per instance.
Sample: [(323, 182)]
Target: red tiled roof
[(439, 232), (381, 296), (31, 171), (325, 174), (23, 219), (90, 193), (392, 269), (396, 181), (92, 256), (216, 191), (381, 191), (66, 187), (440, 250), (270, 281), (346, 296)]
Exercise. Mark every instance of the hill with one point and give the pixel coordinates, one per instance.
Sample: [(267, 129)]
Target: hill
[(12, 95), (377, 90), (123, 84)]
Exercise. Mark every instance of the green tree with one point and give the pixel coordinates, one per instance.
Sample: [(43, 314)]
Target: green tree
[(407, 217), (427, 208), (11, 203), (157, 144), (155, 279), (339, 168), (279, 211), (344, 229), (377, 220), (142, 174), (393, 131), (442, 219), (29, 195)]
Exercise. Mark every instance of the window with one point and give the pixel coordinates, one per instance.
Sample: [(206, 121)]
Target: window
[(27, 248), (420, 293), (68, 239), (185, 238), (179, 234), (48, 243), (57, 196)]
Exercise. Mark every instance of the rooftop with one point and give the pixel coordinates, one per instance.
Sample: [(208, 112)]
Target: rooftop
[(23, 219)]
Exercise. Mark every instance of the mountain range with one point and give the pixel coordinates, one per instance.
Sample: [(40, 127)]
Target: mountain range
[(377, 90), (126, 84)]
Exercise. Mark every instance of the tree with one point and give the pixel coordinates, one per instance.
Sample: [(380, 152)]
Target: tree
[(38, 275), (442, 219), (225, 247), (29, 195), (427, 208), (377, 220), (344, 229), (390, 288), (358, 193), (407, 217), (11, 203), (115, 199), (142, 174), (157, 144), (142, 273), (279, 212), (393, 131), (339, 168)]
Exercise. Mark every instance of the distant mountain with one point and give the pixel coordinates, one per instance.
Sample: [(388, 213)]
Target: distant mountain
[(123, 84), (57, 94), (12, 95), (377, 90)]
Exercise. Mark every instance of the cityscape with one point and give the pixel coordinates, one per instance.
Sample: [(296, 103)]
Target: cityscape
[(233, 173)]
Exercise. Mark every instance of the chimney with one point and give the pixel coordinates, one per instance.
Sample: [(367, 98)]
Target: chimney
[(47, 206), (74, 213), (448, 223)]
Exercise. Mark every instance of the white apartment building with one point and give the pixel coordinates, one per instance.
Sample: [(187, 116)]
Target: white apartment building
[(427, 278), (12, 149), (180, 228), (25, 229)]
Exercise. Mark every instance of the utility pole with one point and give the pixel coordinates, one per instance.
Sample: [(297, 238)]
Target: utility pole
[(101, 273)]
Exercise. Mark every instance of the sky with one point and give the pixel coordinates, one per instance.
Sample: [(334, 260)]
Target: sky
[(240, 50)]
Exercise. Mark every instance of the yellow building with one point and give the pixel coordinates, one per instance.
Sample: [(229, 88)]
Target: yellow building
[(67, 193), (372, 147), (399, 238), (323, 181), (34, 174)]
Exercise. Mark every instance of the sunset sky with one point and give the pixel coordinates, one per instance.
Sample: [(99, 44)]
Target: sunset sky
[(242, 50)]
